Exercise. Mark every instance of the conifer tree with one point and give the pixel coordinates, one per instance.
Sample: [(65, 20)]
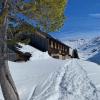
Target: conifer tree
[(47, 14)]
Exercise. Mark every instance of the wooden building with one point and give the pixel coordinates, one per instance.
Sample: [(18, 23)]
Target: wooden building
[(45, 43)]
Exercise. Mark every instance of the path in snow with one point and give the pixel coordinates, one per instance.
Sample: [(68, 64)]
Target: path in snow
[(70, 82), (28, 74)]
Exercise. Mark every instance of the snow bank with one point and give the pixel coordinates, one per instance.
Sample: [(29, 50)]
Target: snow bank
[(45, 78), (36, 54), (69, 83), (28, 74)]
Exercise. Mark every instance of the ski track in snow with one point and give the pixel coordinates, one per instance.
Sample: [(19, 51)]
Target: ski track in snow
[(71, 83), (45, 78)]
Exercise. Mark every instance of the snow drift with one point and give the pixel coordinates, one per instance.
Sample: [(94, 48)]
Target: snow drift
[(69, 83), (53, 79), (36, 54)]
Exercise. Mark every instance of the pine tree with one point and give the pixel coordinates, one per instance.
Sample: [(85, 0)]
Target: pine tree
[(47, 14)]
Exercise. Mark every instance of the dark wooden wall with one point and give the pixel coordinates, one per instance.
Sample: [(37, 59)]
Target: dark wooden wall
[(39, 41), (45, 42)]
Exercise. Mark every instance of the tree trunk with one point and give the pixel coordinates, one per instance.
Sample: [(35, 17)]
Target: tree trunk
[(7, 84)]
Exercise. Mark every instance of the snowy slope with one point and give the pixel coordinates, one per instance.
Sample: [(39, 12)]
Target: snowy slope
[(68, 83), (95, 58), (91, 45), (75, 43), (28, 74), (91, 50), (88, 49), (51, 78), (36, 54)]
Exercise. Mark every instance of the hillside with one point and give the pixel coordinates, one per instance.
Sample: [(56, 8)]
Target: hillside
[(75, 43), (91, 50), (69, 82), (45, 78), (88, 49)]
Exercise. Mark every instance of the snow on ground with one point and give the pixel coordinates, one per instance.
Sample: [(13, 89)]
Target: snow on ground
[(50, 79), (75, 43), (88, 49), (95, 58), (36, 54), (28, 74), (91, 50), (68, 83)]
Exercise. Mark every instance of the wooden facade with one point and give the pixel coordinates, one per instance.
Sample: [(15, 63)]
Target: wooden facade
[(39, 41), (45, 43), (57, 49)]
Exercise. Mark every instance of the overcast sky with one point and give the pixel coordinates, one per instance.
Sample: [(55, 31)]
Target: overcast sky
[(83, 20)]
